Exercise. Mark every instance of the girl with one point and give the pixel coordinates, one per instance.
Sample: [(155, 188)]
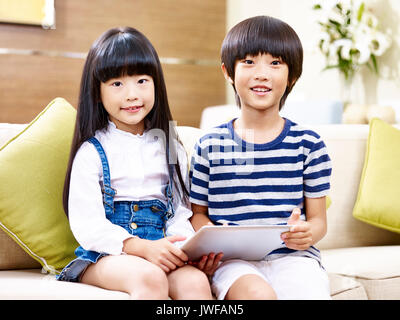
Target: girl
[(124, 185)]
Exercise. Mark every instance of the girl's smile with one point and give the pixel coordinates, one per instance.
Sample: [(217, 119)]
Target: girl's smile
[(132, 109)]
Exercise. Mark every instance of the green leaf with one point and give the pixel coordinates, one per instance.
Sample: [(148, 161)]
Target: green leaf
[(360, 11), (374, 63), (331, 67), (335, 23)]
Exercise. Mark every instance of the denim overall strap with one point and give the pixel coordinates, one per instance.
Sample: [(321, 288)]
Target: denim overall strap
[(107, 190), (169, 189), (169, 194)]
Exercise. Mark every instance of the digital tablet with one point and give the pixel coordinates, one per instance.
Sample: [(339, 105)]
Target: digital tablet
[(251, 242)]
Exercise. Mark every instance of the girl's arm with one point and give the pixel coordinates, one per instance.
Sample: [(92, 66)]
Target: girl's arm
[(87, 218), (307, 233)]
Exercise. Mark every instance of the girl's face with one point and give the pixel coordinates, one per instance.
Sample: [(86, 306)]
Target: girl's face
[(128, 100), (261, 81)]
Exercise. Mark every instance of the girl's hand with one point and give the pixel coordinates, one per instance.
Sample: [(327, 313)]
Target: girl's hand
[(164, 254), (208, 264), (300, 236), (161, 252)]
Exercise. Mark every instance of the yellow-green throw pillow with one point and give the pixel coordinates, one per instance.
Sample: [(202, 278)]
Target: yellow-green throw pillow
[(328, 202), (32, 171), (378, 200)]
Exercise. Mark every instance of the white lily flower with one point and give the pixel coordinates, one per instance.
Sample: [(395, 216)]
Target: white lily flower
[(345, 46), (379, 44), (328, 5), (324, 42), (370, 20), (336, 16), (349, 32), (364, 52)]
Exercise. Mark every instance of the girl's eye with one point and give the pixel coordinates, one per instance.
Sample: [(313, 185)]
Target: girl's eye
[(141, 81), (116, 84), (276, 62)]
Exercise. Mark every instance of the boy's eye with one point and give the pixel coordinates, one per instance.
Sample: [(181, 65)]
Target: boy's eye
[(276, 62), (248, 61)]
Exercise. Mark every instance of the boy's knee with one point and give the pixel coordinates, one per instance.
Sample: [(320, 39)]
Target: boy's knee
[(261, 293), (251, 287)]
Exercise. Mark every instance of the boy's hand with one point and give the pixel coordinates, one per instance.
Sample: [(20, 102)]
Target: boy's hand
[(300, 236), (208, 264)]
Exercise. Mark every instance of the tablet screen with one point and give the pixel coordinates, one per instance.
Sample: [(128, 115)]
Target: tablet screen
[(252, 242)]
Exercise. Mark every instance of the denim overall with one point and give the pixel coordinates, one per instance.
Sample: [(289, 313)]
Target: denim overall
[(144, 219)]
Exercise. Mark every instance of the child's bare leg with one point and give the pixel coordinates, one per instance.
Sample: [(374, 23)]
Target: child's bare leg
[(138, 277), (250, 287), (189, 283)]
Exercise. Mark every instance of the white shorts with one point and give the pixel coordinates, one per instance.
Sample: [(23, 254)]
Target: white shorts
[(291, 277)]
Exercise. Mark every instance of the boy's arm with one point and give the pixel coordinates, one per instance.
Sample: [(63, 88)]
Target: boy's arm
[(316, 216), (200, 216), (307, 233), (208, 263)]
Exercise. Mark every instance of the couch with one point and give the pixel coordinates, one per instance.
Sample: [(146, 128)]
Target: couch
[(363, 261)]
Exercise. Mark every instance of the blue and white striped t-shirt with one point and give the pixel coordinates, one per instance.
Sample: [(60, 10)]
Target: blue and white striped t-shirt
[(245, 184)]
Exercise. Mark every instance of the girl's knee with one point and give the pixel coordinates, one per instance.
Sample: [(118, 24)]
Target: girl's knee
[(153, 284), (199, 281), (189, 283)]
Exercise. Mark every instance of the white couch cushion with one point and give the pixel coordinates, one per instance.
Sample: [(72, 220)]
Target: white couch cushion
[(377, 268), (378, 262), (346, 288), (9, 130), (32, 284)]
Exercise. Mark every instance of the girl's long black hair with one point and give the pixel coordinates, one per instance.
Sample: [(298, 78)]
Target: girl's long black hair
[(117, 52)]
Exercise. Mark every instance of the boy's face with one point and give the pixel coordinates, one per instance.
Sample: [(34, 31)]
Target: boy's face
[(260, 81)]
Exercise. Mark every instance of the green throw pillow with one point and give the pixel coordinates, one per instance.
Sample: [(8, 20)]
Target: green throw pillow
[(378, 200), (32, 172)]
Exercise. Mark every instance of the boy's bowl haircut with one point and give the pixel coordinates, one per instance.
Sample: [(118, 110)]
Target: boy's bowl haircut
[(263, 34)]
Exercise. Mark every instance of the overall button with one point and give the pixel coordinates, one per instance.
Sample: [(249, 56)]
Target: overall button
[(135, 207), (133, 225), (155, 209)]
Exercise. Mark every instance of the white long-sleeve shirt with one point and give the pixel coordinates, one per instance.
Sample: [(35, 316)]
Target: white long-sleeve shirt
[(138, 171)]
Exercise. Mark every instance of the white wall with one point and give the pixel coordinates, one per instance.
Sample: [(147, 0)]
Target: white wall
[(317, 84)]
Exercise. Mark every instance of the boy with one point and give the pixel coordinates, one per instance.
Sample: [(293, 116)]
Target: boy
[(263, 169)]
